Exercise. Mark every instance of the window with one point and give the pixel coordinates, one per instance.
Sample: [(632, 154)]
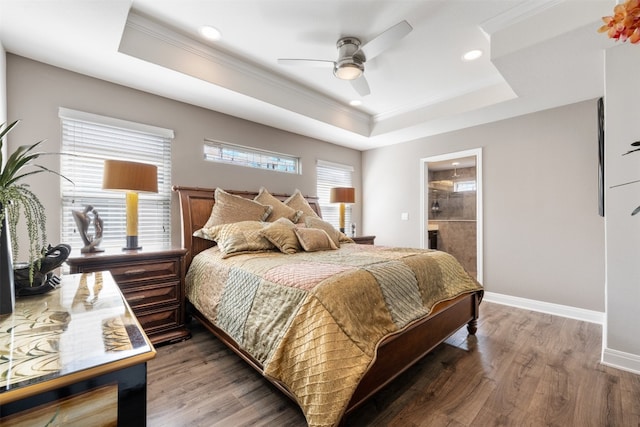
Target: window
[(461, 186), (224, 152), (331, 175), (90, 139)]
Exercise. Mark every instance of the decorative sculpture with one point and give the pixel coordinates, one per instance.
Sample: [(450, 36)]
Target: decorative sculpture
[(82, 219), (39, 277)]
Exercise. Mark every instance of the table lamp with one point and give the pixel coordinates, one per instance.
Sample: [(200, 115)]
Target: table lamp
[(130, 177), (342, 195)]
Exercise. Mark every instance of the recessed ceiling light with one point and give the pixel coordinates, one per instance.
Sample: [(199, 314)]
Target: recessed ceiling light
[(355, 102), (472, 55), (210, 33)]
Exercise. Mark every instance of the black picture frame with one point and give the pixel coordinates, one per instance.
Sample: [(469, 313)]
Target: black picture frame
[(601, 156)]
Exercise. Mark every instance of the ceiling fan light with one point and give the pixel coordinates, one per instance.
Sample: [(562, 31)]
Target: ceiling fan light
[(348, 71)]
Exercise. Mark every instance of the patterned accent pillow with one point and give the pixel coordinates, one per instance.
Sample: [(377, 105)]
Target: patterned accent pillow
[(336, 235), (298, 202), (281, 234), (314, 239), (280, 210), (239, 237), (230, 208)]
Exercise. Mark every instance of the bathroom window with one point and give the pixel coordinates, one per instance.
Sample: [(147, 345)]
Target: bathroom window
[(462, 186)]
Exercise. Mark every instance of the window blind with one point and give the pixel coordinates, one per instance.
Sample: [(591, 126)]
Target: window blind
[(331, 175), (88, 140)]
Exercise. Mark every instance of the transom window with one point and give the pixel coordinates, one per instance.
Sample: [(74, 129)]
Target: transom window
[(461, 186), (224, 152)]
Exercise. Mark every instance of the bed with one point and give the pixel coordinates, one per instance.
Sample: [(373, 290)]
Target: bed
[(326, 366)]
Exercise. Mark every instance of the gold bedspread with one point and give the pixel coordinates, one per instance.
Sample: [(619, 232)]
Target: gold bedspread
[(314, 320)]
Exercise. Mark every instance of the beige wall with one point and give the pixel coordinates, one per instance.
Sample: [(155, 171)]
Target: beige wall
[(543, 238), (622, 127), (35, 92)]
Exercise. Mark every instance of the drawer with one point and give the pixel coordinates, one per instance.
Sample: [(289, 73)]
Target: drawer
[(159, 320), (138, 272), (151, 295)]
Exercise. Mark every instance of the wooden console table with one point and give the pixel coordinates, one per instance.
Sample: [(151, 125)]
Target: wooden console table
[(74, 355)]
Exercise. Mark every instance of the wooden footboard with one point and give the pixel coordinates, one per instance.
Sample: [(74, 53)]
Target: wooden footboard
[(399, 352), (396, 353)]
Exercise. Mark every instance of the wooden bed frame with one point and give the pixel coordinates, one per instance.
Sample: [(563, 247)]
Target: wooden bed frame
[(395, 353)]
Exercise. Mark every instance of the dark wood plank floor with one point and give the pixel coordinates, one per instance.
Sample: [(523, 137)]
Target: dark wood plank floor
[(521, 369)]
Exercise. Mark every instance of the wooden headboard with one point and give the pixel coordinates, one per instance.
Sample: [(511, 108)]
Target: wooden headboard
[(195, 208)]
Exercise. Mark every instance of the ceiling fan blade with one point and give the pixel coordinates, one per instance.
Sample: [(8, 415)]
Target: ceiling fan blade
[(385, 40), (361, 86), (307, 62)]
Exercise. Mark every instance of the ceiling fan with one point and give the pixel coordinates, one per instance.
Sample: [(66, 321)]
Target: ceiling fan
[(352, 55)]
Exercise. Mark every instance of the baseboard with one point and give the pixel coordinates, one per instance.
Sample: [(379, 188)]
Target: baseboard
[(621, 360), (547, 307), (613, 358)]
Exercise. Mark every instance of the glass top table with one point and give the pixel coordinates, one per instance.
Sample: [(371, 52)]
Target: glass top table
[(82, 329)]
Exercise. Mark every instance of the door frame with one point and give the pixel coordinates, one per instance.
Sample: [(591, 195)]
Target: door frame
[(425, 203)]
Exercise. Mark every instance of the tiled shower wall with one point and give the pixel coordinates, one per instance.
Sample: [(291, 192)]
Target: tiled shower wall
[(459, 239), (456, 219)]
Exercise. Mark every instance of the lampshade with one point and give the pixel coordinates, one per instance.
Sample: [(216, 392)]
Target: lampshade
[(343, 195), (130, 176)]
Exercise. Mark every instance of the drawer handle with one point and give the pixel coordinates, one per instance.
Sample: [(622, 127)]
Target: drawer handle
[(136, 271), (135, 298)]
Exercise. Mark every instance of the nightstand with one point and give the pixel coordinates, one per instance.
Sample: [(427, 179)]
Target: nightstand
[(152, 281), (364, 240)]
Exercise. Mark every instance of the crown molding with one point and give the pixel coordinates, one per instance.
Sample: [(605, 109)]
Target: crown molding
[(299, 98), (521, 12)]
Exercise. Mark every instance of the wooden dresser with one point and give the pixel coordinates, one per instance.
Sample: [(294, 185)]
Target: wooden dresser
[(152, 281), (74, 356)]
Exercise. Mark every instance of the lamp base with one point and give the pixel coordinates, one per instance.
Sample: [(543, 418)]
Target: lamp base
[(132, 244)]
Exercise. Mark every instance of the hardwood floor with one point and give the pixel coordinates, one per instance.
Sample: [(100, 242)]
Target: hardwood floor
[(521, 369)]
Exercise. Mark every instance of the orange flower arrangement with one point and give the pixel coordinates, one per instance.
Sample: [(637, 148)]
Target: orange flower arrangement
[(625, 23)]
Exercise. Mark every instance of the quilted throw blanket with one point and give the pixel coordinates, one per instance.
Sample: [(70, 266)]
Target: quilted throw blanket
[(314, 319)]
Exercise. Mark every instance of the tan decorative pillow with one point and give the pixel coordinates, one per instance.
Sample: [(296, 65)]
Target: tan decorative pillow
[(344, 238), (280, 210), (239, 237), (280, 233), (230, 208), (298, 202), (336, 235), (314, 239)]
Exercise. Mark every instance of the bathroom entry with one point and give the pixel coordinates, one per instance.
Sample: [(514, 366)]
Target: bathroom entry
[(451, 194)]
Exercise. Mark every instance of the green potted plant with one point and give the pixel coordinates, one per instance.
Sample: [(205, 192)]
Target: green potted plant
[(16, 201)]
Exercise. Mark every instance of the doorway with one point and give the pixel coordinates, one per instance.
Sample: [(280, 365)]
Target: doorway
[(451, 200)]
